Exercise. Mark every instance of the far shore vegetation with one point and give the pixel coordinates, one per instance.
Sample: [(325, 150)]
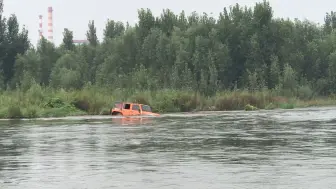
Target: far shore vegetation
[(91, 100), (244, 59)]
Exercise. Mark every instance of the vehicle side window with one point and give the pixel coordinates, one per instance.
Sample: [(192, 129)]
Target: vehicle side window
[(146, 108), (135, 107), (127, 106)]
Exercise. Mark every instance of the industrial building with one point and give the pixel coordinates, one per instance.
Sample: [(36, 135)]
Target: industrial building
[(50, 28)]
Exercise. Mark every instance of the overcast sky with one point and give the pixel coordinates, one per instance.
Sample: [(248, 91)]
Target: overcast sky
[(75, 14)]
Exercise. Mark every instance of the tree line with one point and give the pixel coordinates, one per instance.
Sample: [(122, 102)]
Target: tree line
[(244, 48)]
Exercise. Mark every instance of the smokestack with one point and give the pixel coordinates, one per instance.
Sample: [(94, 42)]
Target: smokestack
[(50, 24), (40, 27)]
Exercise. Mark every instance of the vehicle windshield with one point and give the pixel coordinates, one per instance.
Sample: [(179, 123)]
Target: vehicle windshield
[(146, 108), (118, 105)]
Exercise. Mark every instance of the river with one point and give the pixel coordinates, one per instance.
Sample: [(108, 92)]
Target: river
[(262, 149)]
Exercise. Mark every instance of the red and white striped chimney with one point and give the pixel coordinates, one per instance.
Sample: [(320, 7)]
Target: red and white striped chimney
[(50, 24), (40, 27)]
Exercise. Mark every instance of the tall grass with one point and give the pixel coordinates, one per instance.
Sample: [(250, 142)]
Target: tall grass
[(92, 100)]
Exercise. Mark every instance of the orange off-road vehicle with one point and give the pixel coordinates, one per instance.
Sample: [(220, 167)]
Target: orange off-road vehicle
[(132, 109)]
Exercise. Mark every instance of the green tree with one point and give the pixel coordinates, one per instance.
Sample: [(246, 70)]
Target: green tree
[(28, 64), (48, 55), (68, 40), (91, 34), (113, 29), (67, 72), (16, 43)]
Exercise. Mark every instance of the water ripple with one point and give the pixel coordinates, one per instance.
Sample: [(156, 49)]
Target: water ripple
[(262, 149)]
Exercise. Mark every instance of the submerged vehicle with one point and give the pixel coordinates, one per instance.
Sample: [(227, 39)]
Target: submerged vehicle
[(132, 109)]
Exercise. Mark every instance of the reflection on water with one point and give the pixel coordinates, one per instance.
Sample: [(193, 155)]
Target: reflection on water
[(136, 121), (266, 149)]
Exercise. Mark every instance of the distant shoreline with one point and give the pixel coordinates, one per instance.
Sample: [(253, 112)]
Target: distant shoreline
[(45, 103), (174, 114)]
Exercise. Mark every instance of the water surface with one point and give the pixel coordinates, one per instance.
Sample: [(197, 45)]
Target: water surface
[(263, 149)]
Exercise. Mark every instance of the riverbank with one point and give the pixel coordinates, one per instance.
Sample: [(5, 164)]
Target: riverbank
[(46, 102)]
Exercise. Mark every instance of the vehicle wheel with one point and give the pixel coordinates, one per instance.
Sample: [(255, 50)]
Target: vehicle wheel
[(117, 114)]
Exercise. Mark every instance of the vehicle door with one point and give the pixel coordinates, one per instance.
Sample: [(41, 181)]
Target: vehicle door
[(127, 110), (136, 109)]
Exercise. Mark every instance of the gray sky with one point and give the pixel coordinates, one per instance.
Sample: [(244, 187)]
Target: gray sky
[(75, 14)]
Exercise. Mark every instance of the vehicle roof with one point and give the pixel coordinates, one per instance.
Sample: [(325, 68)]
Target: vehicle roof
[(131, 103)]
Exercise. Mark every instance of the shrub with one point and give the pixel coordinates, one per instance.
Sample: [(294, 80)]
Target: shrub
[(54, 103), (14, 112)]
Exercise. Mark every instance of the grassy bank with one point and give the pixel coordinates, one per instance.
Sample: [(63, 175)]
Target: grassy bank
[(45, 102)]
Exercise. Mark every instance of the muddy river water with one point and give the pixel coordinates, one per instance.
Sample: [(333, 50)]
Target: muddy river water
[(262, 149)]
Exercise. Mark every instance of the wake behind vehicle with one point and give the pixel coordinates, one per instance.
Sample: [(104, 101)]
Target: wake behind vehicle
[(132, 109)]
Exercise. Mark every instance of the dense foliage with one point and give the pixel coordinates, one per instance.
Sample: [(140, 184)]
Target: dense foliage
[(245, 48)]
